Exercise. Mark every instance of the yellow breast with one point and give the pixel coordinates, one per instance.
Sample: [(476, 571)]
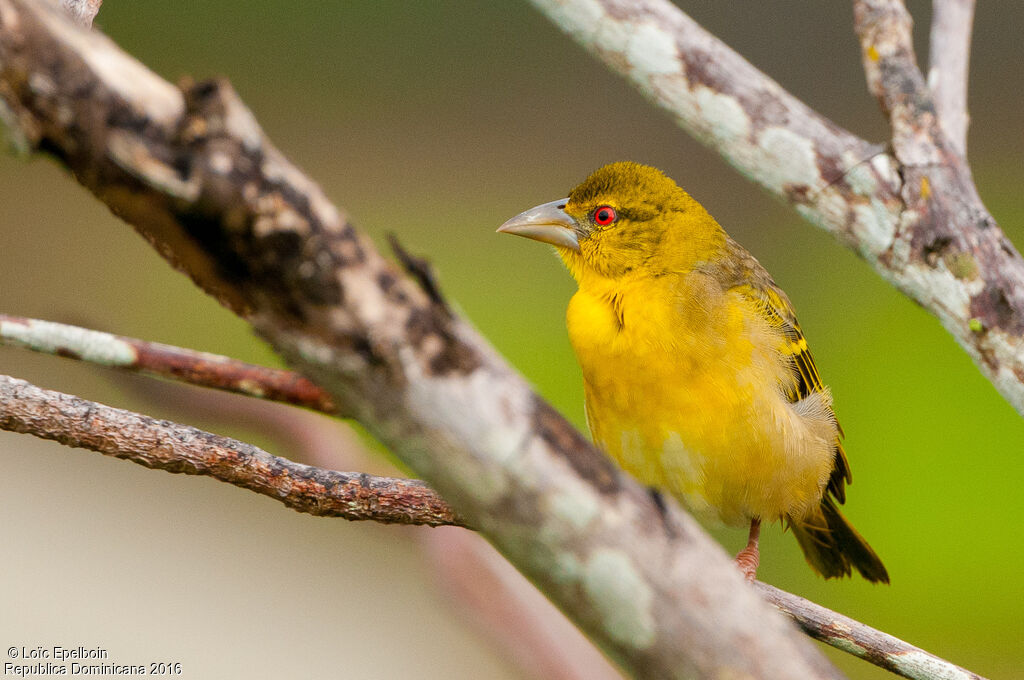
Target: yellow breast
[(687, 399)]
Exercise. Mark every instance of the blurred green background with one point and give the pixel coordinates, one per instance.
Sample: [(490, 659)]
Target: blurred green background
[(437, 121)]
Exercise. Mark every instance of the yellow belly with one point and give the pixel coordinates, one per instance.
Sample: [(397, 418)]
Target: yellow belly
[(692, 405)]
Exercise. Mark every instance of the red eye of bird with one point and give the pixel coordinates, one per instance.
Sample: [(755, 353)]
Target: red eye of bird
[(605, 215)]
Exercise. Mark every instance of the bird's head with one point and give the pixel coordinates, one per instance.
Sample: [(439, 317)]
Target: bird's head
[(626, 219)]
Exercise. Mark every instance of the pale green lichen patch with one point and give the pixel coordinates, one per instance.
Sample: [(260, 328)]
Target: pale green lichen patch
[(861, 180), (728, 121), (976, 325), (788, 159), (621, 597), (847, 645), (611, 36), (574, 510), (56, 338), (874, 227), (570, 16), (962, 265), (566, 568), (652, 51), (441, 404), (921, 664)]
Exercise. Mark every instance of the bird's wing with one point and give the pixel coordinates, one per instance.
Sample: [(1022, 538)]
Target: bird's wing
[(753, 282)]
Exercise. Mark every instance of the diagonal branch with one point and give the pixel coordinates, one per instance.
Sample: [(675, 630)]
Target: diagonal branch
[(853, 637), (828, 174), (949, 56), (163, 445), (887, 43), (193, 171), (153, 358), (914, 215), (201, 181)]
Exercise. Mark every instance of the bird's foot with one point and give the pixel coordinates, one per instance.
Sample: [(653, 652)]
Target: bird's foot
[(747, 560)]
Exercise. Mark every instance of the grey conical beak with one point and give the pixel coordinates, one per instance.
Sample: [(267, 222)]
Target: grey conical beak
[(548, 223)]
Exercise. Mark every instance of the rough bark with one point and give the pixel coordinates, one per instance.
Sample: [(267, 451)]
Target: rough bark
[(912, 212), (191, 169), (853, 637), (163, 445), (153, 358)]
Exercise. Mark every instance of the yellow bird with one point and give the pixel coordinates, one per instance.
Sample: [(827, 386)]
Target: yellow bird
[(698, 380)]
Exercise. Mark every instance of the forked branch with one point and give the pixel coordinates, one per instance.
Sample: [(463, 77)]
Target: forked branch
[(914, 214), (949, 56), (153, 358), (318, 491), (193, 171), (163, 445)]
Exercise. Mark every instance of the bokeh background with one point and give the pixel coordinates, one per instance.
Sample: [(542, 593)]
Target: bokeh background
[(437, 121)]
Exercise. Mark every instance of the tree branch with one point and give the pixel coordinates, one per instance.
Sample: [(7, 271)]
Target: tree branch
[(153, 358), (914, 215), (949, 56), (163, 445), (853, 637), (887, 45), (192, 170)]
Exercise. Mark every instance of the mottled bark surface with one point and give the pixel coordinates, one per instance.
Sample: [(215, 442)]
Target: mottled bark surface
[(911, 210), (153, 358), (881, 649), (191, 169)]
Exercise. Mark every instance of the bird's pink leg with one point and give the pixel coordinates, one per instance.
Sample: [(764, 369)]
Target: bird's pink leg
[(748, 558)]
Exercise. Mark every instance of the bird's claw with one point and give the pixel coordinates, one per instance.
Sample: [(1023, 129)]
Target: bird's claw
[(747, 561)]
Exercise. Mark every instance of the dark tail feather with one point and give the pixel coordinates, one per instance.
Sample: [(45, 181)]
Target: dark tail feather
[(832, 546)]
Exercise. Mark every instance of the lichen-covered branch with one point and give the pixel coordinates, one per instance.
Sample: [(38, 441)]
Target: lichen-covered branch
[(163, 445), (913, 214), (854, 637), (949, 57), (192, 170), (153, 358), (887, 45)]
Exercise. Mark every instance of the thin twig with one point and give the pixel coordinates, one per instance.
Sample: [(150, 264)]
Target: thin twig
[(949, 55), (200, 179), (153, 358), (191, 168), (849, 635), (164, 445)]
